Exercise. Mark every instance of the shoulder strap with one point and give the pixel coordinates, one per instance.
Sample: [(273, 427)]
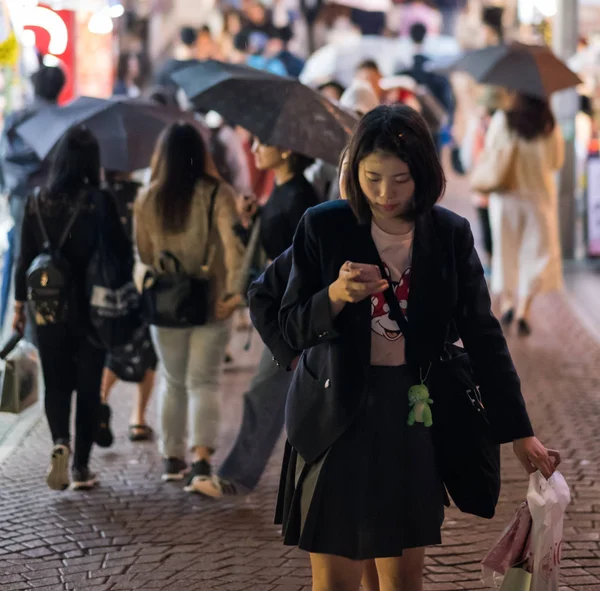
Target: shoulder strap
[(69, 226), (38, 214), (211, 210), (396, 313)]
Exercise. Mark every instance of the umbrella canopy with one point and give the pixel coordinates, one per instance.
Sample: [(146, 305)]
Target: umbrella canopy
[(126, 129), (529, 69), (338, 61), (279, 111)]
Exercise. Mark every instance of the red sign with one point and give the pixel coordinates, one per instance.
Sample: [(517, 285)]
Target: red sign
[(50, 35)]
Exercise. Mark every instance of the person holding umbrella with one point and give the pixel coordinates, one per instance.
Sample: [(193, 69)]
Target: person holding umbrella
[(524, 215)]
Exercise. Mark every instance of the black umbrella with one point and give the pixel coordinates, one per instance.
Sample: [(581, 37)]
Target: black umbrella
[(279, 111), (126, 129), (529, 69)]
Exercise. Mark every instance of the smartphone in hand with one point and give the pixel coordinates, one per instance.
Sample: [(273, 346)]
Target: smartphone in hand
[(368, 273)]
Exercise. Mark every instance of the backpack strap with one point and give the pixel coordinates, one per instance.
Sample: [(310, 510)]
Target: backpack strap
[(38, 214), (72, 219), (47, 246)]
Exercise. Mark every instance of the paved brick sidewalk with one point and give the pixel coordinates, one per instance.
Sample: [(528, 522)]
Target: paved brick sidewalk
[(136, 533)]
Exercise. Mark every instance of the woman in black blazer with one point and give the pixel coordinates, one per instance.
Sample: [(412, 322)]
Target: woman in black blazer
[(359, 483)]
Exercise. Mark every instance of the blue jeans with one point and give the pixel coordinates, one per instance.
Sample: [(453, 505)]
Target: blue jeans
[(262, 424), (7, 270)]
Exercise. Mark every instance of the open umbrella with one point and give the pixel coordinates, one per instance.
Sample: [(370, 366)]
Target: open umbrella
[(529, 69), (126, 129), (279, 111), (338, 61)]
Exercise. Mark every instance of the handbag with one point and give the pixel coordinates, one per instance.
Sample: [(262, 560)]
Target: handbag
[(494, 172), (173, 298), (467, 457), (20, 381), (114, 300)]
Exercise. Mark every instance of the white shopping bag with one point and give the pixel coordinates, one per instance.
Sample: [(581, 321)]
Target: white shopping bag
[(548, 501)]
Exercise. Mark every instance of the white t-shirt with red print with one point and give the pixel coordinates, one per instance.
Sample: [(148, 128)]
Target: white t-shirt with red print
[(387, 340)]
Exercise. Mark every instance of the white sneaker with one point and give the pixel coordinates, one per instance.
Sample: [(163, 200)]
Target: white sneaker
[(213, 487), (57, 476)]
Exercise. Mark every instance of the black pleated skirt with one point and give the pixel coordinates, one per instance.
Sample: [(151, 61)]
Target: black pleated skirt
[(376, 492)]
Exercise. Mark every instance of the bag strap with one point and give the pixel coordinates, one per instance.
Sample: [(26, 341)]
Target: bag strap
[(69, 226), (395, 313), (38, 214), (211, 210)]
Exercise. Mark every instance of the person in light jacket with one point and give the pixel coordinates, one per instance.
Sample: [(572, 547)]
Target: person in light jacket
[(172, 215), (524, 221)]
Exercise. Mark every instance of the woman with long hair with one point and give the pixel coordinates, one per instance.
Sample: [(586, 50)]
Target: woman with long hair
[(173, 215), (360, 479), (70, 359), (524, 220), (128, 76)]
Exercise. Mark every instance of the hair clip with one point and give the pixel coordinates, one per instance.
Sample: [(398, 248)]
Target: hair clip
[(400, 135)]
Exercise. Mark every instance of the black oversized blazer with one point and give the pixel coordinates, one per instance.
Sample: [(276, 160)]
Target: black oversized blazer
[(449, 298)]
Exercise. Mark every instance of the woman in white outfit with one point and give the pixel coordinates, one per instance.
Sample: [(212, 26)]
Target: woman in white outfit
[(527, 254), (173, 215)]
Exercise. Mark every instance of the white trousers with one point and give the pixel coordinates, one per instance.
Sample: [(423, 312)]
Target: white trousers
[(527, 257), (191, 365)]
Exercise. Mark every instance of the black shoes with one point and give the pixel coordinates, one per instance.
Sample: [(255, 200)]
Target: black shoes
[(200, 471), (523, 328), (83, 479), (104, 437), (174, 469), (507, 318)]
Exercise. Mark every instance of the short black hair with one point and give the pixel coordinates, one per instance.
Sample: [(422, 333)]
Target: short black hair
[(369, 64), (401, 131), (48, 83), (188, 36), (298, 163), (418, 32)]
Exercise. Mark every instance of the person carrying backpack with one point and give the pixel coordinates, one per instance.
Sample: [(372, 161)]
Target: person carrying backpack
[(58, 240)]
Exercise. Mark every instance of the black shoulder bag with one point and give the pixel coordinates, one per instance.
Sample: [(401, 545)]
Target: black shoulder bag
[(174, 299), (467, 457)]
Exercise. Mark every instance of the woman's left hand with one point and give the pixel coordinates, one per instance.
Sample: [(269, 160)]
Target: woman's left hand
[(226, 307), (534, 456)]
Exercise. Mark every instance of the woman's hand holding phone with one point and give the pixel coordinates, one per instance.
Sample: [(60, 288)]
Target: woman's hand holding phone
[(355, 282)]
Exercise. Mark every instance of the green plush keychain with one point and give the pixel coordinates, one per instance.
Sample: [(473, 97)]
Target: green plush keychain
[(419, 401)]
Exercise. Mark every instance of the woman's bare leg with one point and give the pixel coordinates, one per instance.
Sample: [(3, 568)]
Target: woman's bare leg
[(370, 578), (109, 379), (144, 391), (335, 573), (402, 574)]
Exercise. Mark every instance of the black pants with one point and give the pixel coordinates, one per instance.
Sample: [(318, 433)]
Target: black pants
[(71, 363)]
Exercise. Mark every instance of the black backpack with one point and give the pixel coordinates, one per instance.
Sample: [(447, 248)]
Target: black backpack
[(49, 277)]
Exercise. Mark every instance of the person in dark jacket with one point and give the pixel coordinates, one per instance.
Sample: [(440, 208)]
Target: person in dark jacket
[(264, 403), (358, 482), (20, 168), (184, 55), (70, 359)]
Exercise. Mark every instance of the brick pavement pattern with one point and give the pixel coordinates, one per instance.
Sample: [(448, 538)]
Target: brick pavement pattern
[(135, 532)]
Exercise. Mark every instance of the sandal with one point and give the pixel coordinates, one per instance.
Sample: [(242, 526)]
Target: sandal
[(104, 436), (144, 433)]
